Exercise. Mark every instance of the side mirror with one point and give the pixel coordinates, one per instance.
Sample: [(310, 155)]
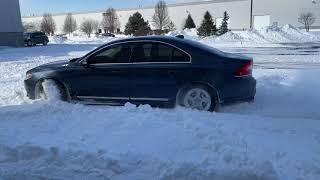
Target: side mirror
[(85, 63)]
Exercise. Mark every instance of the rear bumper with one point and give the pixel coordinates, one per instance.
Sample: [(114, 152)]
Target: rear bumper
[(238, 89), (30, 88)]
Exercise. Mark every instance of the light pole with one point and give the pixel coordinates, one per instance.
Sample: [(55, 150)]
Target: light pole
[(251, 14)]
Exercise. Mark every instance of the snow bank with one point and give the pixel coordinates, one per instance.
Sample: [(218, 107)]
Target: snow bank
[(159, 143), (81, 39), (285, 34), (268, 36), (188, 33)]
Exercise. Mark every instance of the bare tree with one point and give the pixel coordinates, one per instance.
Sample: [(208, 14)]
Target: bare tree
[(70, 24), (110, 21), (88, 26), (307, 19), (95, 26), (160, 18), (47, 24)]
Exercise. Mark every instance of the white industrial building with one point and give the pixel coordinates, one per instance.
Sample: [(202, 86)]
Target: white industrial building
[(11, 32), (264, 13)]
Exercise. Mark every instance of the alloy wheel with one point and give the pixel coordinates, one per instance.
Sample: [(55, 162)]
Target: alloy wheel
[(197, 98)]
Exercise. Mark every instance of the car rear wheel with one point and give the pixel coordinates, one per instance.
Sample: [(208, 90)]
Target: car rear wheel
[(198, 97), (50, 90)]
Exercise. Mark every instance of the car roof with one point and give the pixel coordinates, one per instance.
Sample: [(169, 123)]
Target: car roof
[(166, 39), (153, 38), (174, 41)]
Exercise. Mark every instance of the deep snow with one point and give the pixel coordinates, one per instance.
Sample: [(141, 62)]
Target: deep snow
[(265, 37), (275, 137)]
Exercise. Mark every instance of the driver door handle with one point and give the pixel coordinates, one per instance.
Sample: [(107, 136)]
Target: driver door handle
[(115, 70)]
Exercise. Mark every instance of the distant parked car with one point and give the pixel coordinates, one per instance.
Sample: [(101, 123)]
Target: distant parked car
[(156, 70), (34, 38), (108, 35)]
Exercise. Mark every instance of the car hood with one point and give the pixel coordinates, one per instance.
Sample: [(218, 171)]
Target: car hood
[(51, 66)]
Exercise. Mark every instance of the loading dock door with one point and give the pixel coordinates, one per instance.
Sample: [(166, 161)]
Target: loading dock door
[(261, 21)]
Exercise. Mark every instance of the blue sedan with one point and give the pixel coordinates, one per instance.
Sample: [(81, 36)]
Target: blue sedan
[(157, 70)]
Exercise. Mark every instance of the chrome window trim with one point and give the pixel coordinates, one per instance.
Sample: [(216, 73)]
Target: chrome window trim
[(106, 64), (154, 41), (104, 98), (149, 99), (124, 98)]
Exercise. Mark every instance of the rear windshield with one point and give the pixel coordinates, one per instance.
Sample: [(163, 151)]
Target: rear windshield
[(205, 47)]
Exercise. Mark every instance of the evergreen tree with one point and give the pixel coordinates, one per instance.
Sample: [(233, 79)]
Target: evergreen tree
[(207, 28), (137, 26), (224, 25), (171, 26), (189, 23)]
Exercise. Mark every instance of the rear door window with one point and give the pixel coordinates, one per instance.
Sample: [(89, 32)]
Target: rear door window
[(180, 56), (157, 52)]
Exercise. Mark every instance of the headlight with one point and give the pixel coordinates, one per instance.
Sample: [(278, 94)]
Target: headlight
[(28, 76)]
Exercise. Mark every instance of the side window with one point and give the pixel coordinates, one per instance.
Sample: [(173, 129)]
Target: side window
[(157, 52), (141, 52), (164, 53), (114, 54), (180, 56)]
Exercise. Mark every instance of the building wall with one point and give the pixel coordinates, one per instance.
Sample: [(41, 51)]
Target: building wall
[(280, 11), (287, 11), (10, 23)]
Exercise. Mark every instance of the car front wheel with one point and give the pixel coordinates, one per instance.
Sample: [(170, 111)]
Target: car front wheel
[(45, 42), (198, 97), (50, 90)]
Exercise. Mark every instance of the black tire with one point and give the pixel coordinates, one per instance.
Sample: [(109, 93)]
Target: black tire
[(40, 90), (214, 104), (45, 42)]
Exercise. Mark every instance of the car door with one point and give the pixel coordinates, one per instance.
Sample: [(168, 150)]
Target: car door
[(37, 38), (105, 77), (158, 74), (42, 38)]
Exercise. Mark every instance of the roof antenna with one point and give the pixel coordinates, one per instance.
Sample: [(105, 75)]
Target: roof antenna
[(180, 36)]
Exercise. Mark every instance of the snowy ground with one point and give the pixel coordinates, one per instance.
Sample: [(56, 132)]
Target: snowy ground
[(275, 137)]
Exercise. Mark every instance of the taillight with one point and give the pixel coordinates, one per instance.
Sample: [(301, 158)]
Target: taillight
[(246, 69)]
